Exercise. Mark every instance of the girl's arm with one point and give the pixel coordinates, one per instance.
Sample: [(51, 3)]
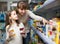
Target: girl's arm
[(7, 34)]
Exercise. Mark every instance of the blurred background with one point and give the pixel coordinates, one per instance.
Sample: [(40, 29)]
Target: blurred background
[(48, 9)]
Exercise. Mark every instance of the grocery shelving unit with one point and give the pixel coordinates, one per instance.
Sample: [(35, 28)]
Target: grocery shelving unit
[(2, 27), (45, 39)]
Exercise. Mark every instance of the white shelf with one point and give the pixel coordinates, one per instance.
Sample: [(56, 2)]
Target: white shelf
[(43, 37)]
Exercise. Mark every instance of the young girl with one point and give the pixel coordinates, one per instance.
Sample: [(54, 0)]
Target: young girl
[(14, 29)]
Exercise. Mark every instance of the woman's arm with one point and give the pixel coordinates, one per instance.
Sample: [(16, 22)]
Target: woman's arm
[(36, 17)]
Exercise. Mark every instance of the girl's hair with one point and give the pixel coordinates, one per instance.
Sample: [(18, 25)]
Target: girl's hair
[(22, 5), (9, 21)]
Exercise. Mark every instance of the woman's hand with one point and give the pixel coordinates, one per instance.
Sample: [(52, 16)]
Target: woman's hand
[(23, 33), (45, 21)]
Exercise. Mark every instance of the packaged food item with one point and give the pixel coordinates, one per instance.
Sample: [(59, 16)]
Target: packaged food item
[(36, 38), (11, 33), (11, 30), (41, 30), (36, 23)]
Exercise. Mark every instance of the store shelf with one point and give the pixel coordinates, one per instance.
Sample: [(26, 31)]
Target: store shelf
[(2, 17), (48, 6), (2, 26), (45, 39)]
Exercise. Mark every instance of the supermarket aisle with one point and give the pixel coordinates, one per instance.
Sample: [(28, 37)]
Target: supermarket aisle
[(40, 33)]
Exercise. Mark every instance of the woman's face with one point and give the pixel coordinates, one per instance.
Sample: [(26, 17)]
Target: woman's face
[(22, 11), (14, 15)]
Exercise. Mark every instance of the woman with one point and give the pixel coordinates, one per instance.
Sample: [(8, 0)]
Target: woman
[(24, 15), (14, 29)]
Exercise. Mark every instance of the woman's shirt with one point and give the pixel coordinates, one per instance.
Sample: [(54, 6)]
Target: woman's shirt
[(26, 17)]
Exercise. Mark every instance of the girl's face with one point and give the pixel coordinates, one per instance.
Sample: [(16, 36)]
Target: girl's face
[(14, 15)]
